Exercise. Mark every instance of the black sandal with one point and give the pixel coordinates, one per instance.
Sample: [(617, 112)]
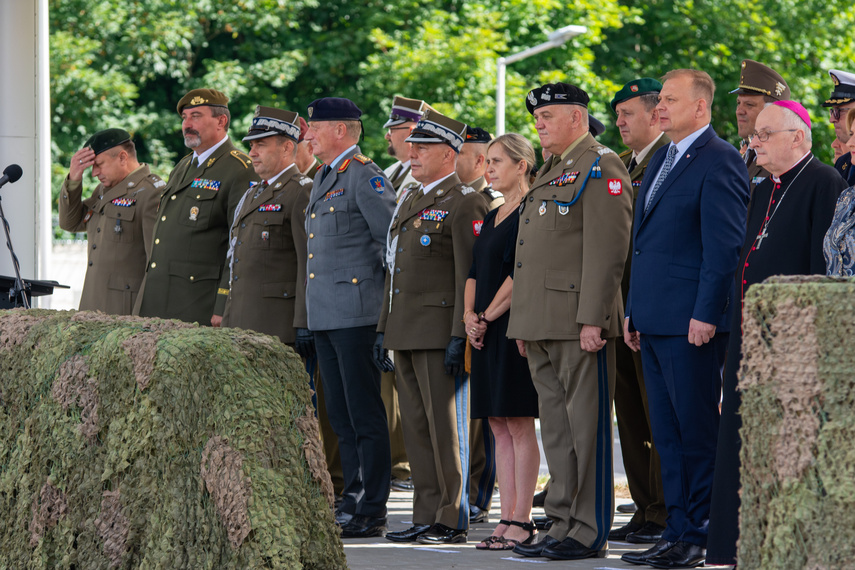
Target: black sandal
[(490, 540), (526, 526)]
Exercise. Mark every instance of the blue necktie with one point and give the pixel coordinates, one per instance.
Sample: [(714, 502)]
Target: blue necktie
[(666, 168)]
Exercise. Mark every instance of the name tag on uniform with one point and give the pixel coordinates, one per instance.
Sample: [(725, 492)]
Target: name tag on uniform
[(333, 194)]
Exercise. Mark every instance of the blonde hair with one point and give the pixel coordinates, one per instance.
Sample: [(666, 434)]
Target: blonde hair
[(517, 148), (850, 118)]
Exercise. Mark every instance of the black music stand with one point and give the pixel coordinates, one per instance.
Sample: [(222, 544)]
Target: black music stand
[(32, 288)]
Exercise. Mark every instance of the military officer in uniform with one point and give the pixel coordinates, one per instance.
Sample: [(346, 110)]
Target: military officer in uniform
[(185, 277), (267, 242), (349, 211), (118, 218), (566, 313), (422, 321), (842, 99), (638, 122), (402, 119), (758, 84)]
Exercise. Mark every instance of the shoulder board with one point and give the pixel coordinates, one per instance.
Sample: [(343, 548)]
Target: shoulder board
[(344, 164), (362, 158), (305, 180), (627, 152), (241, 157)]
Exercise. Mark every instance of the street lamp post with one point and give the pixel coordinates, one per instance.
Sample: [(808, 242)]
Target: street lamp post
[(557, 38)]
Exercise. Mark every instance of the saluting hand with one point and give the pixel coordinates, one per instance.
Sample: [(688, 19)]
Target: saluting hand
[(700, 333), (80, 161)]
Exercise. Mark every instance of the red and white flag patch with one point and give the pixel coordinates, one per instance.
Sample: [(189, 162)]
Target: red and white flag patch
[(615, 186), (476, 227)]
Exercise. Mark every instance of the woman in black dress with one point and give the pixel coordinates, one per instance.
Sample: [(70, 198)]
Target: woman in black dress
[(500, 382)]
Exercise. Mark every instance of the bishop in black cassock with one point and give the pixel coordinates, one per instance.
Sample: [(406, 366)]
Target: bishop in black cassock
[(788, 216)]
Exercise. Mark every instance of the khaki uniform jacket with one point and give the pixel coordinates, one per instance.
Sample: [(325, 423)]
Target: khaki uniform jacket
[(423, 299), (347, 218), (118, 223), (267, 292), (637, 176), (571, 248), (184, 277)]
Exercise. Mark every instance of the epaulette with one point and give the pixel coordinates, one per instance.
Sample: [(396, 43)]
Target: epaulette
[(362, 158), (604, 150), (345, 163), (241, 157)]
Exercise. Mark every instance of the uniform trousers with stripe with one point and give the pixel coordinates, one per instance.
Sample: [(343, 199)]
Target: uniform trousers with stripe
[(575, 393), (683, 384), (435, 420)]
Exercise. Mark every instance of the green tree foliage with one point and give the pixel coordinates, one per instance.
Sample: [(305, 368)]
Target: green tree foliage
[(127, 64)]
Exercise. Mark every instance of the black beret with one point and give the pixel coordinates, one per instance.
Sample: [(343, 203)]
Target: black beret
[(333, 109), (555, 94), (107, 139), (477, 135), (203, 97), (636, 88)]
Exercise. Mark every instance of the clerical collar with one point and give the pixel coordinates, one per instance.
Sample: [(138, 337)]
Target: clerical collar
[(639, 156), (428, 187), (207, 154), (273, 179), (777, 180)]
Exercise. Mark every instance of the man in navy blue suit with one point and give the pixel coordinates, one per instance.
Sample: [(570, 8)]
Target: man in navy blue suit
[(689, 227)]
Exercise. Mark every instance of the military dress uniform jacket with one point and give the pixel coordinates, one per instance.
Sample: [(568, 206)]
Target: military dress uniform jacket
[(346, 221), (571, 248), (188, 255), (423, 299), (756, 174), (267, 291), (119, 223), (399, 176)]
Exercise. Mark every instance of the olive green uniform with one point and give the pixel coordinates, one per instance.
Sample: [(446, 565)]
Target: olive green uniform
[(422, 310), (118, 223), (184, 277), (570, 255)]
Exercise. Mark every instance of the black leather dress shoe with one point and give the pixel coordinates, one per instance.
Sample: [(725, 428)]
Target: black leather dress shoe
[(642, 557), (342, 518), (572, 549), (620, 533), (681, 555), (409, 535), (362, 526), (627, 508), (538, 499), (477, 515), (441, 534), (650, 533), (402, 484), (535, 548)]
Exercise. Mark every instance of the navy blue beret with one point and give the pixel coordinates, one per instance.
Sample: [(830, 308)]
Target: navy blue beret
[(333, 109)]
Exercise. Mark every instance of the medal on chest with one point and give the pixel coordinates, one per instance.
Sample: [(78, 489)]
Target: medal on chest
[(194, 213), (542, 209)]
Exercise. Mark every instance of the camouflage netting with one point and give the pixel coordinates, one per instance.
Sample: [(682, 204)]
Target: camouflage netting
[(798, 412), (142, 443)]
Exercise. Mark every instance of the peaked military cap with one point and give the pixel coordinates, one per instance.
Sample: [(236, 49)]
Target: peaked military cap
[(759, 79), (595, 126), (636, 88), (844, 88), (434, 127), (107, 139), (203, 97), (477, 135), (269, 121), (555, 94), (333, 109), (405, 110)]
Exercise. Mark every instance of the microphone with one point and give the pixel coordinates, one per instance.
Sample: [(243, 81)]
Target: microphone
[(12, 173)]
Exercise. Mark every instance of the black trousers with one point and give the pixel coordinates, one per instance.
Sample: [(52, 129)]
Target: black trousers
[(357, 415)]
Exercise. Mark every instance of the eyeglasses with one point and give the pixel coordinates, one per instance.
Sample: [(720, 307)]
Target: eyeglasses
[(837, 112), (763, 136)]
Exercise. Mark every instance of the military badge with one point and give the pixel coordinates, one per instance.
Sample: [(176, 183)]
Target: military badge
[(265, 235), (194, 213), (563, 209), (196, 101), (542, 209), (333, 194), (344, 164), (758, 179), (211, 162), (270, 208), (779, 88), (117, 229), (636, 183), (418, 223), (433, 215), (633, 88), (566, 178), (206, 184), (476, 227), (425, 240), (123, 202), (159, 184), (615, 186), (87, 216), (378, 184)]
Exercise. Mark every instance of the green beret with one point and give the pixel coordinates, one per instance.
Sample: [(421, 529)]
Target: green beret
[(636, 88), (200, 97), (107, 139)]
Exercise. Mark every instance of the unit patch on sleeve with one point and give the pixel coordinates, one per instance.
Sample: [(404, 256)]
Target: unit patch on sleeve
[(378, 184), (476, 227), (615, 186)]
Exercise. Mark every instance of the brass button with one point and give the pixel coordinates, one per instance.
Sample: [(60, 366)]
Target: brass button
[(163, 218), (354, 280), (311, 255), (311, 236), (198, 196), (153, 264), (156, 241), (173, 197), (311, 275), (313, 215), (192, 278), (332, 209)]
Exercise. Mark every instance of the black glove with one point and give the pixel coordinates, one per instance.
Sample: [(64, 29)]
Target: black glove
[(381, 356), (305, 343), (454, 355)]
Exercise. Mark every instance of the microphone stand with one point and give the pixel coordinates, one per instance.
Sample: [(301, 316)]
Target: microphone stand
[(19, 288)]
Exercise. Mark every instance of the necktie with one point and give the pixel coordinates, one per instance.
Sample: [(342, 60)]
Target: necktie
[(666, 168), (632, 164), (326, 171), (260, 188), (195, 162)]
